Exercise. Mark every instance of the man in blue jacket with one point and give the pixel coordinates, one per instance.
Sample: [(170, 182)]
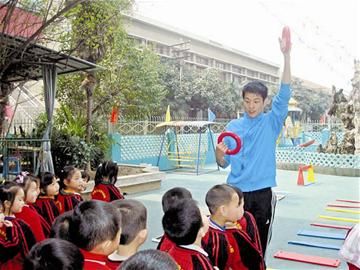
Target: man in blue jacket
[(253, 169)]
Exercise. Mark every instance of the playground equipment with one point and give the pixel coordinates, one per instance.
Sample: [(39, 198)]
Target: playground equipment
[(292, 256), (310, 175), (235, 137), (187, 143)]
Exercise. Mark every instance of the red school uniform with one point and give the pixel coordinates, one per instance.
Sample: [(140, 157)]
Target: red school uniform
[(26, 241), (9, 243), (67, 201), (217, 246), (165, 243), (37, 223), (190, 257), (106, 192), (47, 208), (244, 238), (94, 261)]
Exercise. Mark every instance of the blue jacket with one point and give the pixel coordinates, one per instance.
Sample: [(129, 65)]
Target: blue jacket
[(254, 167)]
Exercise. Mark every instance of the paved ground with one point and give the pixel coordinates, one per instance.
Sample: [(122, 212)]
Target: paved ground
[(300, 207)]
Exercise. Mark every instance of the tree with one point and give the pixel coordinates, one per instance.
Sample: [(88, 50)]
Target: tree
[(101, 21), (130, 79), (314, 103), (28, 20), (198, 91)]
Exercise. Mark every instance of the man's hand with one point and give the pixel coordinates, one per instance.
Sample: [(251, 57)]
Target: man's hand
[(285, 47), (221, 149)]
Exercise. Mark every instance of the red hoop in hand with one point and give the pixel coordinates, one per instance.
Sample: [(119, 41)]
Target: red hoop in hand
[(235, 137), (286, 36)]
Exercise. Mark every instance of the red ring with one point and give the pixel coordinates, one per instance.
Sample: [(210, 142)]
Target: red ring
[(235, 137)]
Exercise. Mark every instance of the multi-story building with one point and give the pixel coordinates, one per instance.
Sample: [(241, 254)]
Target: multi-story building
[(200, 53)]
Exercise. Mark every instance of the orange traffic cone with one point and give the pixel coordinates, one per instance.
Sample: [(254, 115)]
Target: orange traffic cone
[(300, 180)]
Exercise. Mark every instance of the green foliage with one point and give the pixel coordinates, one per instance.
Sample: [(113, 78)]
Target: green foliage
[(94, 25), (131, 80), (198, 91), (314, 103), (67, 139)]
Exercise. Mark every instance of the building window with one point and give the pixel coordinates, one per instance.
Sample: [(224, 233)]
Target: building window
[(202, 60), (264, 77), (236, 79), (162, 49), (236, 69), (220, 65), (250, 73)]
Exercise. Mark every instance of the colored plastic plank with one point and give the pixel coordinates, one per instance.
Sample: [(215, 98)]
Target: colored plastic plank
[(331, 226), (343, 206), (349, 201), (342, 210), (340, 219), (316, 245), (327, 235), (292, 256)]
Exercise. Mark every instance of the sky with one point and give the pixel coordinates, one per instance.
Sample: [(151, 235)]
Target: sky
[(325, 33)]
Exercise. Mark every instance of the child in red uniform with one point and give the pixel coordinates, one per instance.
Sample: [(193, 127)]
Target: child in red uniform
[(149, 260), (94, 227), (171, 197), (185, 226), (105, 180), (39, 226), (133, 230), (70, 187), (223, 204), (12, 202), (45, 203), (244, 237), (9, 238), (54, 254)]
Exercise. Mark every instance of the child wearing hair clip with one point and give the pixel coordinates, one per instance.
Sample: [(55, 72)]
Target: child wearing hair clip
[(105, 179), (29, 214), (45, 203), (71, 184), (12, 201)]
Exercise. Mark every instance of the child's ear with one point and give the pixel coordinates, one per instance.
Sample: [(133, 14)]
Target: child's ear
[(141, 236), (223, 210), (66, 182)]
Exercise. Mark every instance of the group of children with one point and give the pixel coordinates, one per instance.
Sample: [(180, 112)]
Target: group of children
[(47, 226), (45, 223)]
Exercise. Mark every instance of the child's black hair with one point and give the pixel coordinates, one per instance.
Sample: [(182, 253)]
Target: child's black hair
[(91, 223), (8, 192), (54, 254), (46, 179), (218, 195), (133, 219), (172, 196), (60, 226), (182, 222), (150, 259), (107, 169), (66, 173), (256, 87)]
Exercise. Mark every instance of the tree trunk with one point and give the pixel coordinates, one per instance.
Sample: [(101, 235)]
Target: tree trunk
[(88, 85), (5, 90)]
